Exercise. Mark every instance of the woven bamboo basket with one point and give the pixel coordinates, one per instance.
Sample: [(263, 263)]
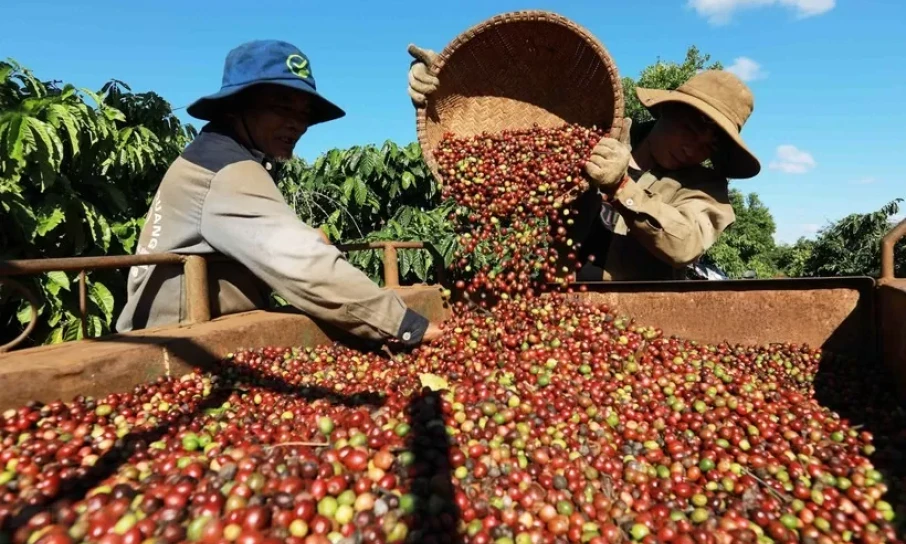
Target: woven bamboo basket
[(516, 70)]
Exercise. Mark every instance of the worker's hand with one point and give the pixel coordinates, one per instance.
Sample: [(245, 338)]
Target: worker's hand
[(608, 164), (621, 130), (421, 81), (433, 333)]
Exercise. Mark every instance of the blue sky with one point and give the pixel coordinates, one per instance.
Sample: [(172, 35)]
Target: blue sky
[(828, 76)]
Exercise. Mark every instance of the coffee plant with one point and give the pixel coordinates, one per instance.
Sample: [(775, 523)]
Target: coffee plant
[(77, 170), (370, 193)]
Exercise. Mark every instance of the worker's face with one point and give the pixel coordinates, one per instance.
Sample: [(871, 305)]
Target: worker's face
[(276, 117), (682, 137)]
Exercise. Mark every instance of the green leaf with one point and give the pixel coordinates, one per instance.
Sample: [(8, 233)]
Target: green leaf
[(95, 326), (361, 192), (15, 137), (72, 330), (405, 216), (103, 299), (408, 180), (52, 146), (24, 313), (433, 382), (5, 71), (55, 317), (48, 222), (59, 278), (61, 117), (369, 163), (97, 226), (105, 232), (52, 288), (334, 232), (348, 187), (113, 114), (334, 217), (405, 262), (335, 160), (420, 264), (56, 336), (126, 233), (94, 96)]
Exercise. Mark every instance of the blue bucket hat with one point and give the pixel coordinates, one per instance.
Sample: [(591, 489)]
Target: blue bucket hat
[(267, 61)]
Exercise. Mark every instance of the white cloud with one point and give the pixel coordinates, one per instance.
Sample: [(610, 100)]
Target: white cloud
[(865, 181), (792, 160), (746, 69), (720, 12), (811, 228)]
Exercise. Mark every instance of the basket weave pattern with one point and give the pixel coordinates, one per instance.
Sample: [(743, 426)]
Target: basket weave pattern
[(517, 70)]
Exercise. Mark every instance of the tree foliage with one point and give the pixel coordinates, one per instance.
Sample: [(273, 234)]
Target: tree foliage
[(666, 75), (792, 259), (748, 244), (852, 245), (370, 193), (77, 170)]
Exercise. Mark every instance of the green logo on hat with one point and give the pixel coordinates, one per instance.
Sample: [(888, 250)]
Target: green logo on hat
[(298, 65)]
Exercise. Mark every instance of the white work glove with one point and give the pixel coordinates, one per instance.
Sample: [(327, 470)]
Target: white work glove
[(608, 164), (421, 81)]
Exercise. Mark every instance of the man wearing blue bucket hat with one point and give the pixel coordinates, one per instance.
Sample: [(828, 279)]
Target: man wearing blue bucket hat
[(220, 196)]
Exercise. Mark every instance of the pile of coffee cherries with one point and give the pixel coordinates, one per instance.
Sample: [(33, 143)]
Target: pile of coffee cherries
[(538, 421)]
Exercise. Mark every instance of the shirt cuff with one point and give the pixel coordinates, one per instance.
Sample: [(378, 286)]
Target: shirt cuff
[(630, 196), (413, 328)]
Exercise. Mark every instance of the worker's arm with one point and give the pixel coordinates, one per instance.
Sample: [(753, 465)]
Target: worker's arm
[(683, 230), (245, 217)]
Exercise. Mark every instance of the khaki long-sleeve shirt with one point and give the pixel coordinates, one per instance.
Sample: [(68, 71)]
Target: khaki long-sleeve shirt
[(659, 223), (220, 197)]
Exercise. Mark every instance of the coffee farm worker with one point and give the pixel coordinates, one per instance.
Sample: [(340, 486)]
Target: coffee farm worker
[(220, 196), (654, 208)]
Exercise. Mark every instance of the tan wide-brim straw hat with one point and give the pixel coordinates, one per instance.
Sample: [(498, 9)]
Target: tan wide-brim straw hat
[(727, 101)]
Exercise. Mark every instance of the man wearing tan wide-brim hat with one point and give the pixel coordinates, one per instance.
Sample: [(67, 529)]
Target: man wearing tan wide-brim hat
[(654, 209), (663, 208)]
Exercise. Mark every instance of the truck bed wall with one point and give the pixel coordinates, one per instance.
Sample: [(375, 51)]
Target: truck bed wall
[(837, 315)]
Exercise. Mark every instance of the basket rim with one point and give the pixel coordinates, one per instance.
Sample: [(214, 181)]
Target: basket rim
[(509, 17)]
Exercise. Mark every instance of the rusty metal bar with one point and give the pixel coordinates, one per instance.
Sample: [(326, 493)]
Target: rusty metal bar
[(33, 305), (391, 267), (391, 257), (83, 303), (74, 264), (194, 267), (380, 245), (196, 272), (887, 243), (80, 264)]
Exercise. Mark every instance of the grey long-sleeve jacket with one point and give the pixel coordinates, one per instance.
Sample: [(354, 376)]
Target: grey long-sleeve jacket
[(220, 197)]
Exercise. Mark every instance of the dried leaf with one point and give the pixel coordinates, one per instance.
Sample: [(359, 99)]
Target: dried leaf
[(433, 382)]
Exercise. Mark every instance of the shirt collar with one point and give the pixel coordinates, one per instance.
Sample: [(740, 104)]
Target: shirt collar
[(269, 164)]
